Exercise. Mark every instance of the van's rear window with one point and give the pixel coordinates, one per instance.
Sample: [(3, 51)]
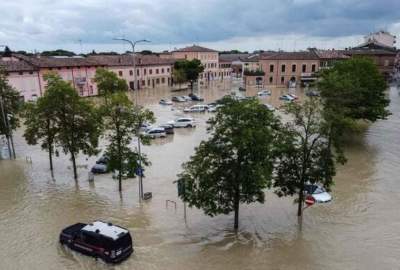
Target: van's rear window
[(121, 242)]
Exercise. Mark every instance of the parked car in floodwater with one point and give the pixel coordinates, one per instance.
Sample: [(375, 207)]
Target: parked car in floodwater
[(183, 122), (169, 128), (312, 93), (264, 93), (286, 98), (178, 99), (106, 241), (186, 98), (196, 108), (99, 168), (165, 102), (195, 97), (269, 107), (319, 194), (157, 132)]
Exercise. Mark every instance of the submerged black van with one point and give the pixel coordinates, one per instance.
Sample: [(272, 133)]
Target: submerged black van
[(111, 243)]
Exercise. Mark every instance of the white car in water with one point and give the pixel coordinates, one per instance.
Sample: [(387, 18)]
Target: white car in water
[(183, 122), (196, 108), (319, 194), (269, 107), (157, 132), (287, 98), (178, 99), (264, 93), (165, 102), (213, 108), (186, 98)]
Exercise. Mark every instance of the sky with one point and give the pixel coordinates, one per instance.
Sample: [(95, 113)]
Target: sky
[(84, 25)]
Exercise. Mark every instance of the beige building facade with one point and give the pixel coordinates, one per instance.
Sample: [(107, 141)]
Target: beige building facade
[(284, 68), (209, 59)]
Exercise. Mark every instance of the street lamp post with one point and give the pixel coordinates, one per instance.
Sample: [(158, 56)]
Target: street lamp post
[(7, 125), (133, 44)]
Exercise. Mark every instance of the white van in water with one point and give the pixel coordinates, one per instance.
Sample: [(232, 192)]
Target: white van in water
[(196, 108)]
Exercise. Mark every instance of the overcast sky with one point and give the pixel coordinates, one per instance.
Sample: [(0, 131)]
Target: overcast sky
[(221, 24)]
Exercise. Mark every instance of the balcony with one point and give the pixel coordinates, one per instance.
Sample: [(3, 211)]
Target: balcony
[(258, 72)]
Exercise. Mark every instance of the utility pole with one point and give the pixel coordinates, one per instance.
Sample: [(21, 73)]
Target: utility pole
[(4, 119), (136, 88), (5, 122)]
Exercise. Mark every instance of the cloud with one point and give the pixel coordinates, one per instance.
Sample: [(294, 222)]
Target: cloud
[(44, 24)]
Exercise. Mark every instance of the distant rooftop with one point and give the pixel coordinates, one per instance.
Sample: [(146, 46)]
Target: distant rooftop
[(373, 44), (195, 48), (106, 229), (127, 60), (303, 55), (15, 65), (55, 62), (243, 57), (330, 54)]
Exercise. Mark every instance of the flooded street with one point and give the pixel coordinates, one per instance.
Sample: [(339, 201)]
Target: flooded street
[(359, 229)]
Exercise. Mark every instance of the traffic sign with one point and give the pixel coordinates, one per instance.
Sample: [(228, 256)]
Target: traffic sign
[(309, 200), (139, 172)]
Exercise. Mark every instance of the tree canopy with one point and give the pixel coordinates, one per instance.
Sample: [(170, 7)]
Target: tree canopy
[(109, 83), (235, 164), (77, 120), (41, 123), (58, 52), (7, 52), (11, 105), (303, 151), (189, 70), (351, 90), (9, 109), (355, 89), (122, 121)]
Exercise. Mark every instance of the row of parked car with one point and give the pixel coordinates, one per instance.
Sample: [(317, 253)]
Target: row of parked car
[(190, 97), (163, 130), (153, 132)]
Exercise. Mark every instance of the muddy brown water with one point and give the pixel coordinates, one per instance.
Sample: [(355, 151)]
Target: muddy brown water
[(360, 229)]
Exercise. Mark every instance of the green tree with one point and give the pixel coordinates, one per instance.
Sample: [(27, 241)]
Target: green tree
[(7, 52), (352, 90), (59, 52), (76, 119), (235, 164), (122, 121), (144, 52), (40, 124), (109, 83), (191, 69), (9, 109), (179, 77), (303, 152)]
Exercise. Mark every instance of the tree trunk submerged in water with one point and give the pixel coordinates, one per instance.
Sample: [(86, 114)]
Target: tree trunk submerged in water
[(236, 206), (74, 166), (300, 203), (51, 157)]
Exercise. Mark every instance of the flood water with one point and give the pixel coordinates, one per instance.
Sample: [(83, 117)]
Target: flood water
[(359, 229)]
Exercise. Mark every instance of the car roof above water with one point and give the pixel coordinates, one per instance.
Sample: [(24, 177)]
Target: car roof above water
[(106, 229)]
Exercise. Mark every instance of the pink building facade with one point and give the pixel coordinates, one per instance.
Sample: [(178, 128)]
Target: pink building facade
[(26, 74)]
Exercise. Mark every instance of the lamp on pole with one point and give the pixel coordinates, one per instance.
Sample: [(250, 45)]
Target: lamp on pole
[(6, 124), (133, 44)]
